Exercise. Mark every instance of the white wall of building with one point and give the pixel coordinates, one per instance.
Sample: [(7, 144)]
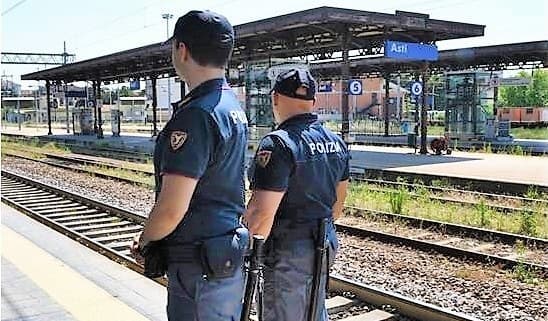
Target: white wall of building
[(162, 91)]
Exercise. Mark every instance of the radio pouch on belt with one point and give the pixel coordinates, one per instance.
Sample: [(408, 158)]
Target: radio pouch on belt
[(221, 256)]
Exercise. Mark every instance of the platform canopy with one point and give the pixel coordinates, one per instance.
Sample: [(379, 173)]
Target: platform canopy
[(498, 57), (316, 34)]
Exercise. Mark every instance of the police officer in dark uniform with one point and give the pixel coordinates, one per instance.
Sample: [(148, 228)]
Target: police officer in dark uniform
[(199, 161), (299, 178)]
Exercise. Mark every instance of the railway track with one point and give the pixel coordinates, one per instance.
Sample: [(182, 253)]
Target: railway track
[(73, 164), (467, 183), (358, 172), (411, 186), (492, 206), (64, 161), (444, 246), (86, 148), (110, 230), (452, 229), (445, 238)]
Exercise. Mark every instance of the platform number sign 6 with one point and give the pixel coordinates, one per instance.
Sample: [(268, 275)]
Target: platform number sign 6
[(355, 87), (416, 88)]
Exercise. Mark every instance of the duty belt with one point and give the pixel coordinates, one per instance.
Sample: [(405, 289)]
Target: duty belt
[(288, 230), (182, 253)]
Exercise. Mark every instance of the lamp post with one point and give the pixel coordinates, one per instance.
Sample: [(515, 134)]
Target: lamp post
[(168, 16)]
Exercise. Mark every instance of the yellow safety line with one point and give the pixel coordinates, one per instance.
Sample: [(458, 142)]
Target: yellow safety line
[(76, 294)]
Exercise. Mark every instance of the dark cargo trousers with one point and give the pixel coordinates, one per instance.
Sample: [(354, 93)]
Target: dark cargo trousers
[(191, 297), (289, 273)]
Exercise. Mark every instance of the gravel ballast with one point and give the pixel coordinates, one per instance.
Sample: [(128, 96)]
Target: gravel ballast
[(483, 291)]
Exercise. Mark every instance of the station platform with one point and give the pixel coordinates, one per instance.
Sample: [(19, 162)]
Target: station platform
[(533, 145), (142, 142), (47, 276), (531, 170)]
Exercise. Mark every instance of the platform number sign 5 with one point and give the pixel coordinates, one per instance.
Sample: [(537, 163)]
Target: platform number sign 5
[(355, 87)]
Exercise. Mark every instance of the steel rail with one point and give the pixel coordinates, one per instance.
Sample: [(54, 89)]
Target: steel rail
[(404, 305)]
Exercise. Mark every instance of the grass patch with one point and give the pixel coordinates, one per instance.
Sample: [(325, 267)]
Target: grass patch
[(483, 212), (397, 200), (528, 223), (35, 146), (436, 130), (521, 272), (529, 133), (441, 183), (516, 132), (120, 173), (374, 197), (487, 148), (34, 149), (29, 154), (532, 192), (475, 274)]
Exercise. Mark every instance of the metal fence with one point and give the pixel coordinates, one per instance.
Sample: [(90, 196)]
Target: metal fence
[(371, 127)]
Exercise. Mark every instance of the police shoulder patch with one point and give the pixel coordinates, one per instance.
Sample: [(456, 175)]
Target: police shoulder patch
[(263, 157), (177, 139)]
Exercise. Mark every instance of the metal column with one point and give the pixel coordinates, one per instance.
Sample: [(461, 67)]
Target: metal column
[(48, 102), (94, 93), (474, 108), (495, 100), (345, 74), (416, 127), (424, 114), (386, 103), (99, 103), (154, 106), (65, 89), (398, 103), (19, 114)]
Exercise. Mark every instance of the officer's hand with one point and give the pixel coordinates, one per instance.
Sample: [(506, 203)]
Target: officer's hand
[(136, 249)]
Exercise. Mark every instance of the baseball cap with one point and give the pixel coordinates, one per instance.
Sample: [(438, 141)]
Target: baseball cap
[(203, 29), (288, 82)]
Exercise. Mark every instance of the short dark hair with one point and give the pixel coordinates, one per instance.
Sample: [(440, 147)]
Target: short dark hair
[(209, 56)]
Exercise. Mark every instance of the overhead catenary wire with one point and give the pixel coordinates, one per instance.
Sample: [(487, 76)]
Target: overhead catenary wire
[(118, 35), (135, 30), (13, 7), (107, 24)]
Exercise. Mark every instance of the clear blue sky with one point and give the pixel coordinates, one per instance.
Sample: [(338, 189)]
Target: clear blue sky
[(98, 27)]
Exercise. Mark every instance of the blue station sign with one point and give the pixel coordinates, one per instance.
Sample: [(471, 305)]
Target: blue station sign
[(135, 85), (75, 93), (325, 87), (410, 51)]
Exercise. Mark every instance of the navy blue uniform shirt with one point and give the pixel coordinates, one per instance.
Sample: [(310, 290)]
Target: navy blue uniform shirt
[(305, 160), (206, 139)]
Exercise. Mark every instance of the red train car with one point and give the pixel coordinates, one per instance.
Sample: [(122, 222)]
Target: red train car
[(524, 116)]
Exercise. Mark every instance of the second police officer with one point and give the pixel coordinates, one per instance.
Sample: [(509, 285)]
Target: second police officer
[(299, 178), (199, 165)]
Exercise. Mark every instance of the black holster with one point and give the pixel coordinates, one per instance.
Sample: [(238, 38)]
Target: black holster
[(219, 256), (222, 256)]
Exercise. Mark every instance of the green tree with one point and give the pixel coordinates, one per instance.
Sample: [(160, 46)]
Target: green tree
[(108, 96), (125, 92), (534, 95)]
